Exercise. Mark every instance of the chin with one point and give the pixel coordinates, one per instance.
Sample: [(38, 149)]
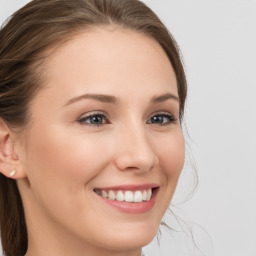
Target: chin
[(132, 238)]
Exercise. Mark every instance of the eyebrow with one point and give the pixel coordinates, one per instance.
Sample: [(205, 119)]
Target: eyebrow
[(164, 97), (111, 99), (97, 97)]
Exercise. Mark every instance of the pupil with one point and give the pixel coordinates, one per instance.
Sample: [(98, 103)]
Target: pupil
[(157, 119), (96, 120)]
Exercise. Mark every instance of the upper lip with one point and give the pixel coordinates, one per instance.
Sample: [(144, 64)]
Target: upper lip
[(131, 187)]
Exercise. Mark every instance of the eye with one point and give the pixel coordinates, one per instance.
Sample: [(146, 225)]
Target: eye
[(94, 119), (162, 119)]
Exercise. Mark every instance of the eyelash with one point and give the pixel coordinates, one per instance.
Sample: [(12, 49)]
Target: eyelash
[(84, 120), (171, 119)]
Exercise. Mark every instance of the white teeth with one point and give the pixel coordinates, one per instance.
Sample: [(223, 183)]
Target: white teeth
[(144, 195), (111, 195), (128, 196), (120, 196), (137, 197), (149, 194)]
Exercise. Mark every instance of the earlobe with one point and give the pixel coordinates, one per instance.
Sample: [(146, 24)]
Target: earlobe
[(12, 173), (10, 164)]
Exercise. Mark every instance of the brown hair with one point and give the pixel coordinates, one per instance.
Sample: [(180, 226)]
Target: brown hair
[(24, 39)]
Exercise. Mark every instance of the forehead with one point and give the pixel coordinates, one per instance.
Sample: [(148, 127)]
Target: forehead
[(108, 57)]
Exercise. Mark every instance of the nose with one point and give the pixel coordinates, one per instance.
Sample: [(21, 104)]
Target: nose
[(135, 152)]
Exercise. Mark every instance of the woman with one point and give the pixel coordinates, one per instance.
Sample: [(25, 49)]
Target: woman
[(92, 94)]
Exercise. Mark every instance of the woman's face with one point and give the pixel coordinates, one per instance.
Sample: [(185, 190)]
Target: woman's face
[(104, 126)]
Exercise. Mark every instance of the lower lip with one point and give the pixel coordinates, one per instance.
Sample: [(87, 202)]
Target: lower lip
[(132, 208)]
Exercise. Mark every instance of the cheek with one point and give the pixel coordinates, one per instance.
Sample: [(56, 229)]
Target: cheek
[(60, 168), (60, 159), (172, 156)]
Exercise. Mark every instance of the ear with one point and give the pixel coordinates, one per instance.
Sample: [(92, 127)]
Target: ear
[(10, 164)]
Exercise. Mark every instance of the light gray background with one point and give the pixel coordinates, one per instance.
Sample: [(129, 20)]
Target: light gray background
[(218, 40)]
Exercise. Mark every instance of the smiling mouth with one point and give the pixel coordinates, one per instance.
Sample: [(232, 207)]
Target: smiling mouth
[(129, 196)]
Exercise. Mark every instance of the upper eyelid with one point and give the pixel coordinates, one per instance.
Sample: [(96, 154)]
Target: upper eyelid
[(92, 113), (162, 112)]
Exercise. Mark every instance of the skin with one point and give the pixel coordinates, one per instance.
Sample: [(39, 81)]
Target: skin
[(63, 159)]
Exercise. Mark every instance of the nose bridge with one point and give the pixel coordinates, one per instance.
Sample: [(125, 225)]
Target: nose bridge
[(134, 148)]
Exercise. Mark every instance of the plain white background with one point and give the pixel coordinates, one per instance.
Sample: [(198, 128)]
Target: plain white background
[(218, 41)]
